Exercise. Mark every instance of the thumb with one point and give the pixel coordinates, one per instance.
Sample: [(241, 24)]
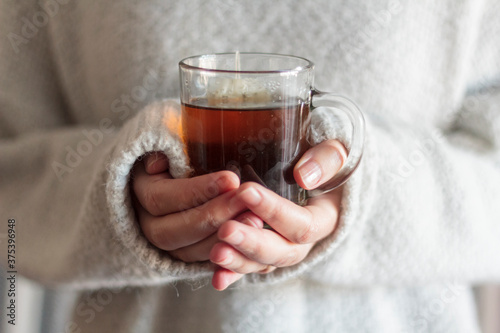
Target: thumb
[(319, 164), (155, 162)]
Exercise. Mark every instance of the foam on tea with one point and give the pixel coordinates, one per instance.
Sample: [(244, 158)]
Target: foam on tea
[(236, 92)]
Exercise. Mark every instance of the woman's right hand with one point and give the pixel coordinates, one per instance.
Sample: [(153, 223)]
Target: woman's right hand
[(182, 216)]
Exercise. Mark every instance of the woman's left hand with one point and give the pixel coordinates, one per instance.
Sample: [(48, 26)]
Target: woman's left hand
[(249, 248)]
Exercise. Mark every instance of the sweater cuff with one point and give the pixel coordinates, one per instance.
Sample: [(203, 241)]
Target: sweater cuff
[(156, 128)]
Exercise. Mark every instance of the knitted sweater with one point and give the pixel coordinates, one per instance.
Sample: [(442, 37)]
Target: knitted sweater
[(87, 87)]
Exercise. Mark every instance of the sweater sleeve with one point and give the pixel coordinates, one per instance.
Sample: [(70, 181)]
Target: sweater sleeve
[(423, 208), (68, 192)]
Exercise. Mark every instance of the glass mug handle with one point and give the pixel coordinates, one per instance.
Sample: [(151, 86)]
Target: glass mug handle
[(346, 109)]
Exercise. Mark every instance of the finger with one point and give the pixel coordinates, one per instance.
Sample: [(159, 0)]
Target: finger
[(319, 164), (181, 229), (248, 249), (160, 195), (250, 219), (225, 256), (155, 162), (223, 278), (298, 224), (199, 251)]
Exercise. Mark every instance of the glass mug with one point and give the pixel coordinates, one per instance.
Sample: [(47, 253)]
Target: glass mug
[(250, 113)]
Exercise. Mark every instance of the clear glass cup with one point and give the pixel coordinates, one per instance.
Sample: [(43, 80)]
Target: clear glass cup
[(250, 113)]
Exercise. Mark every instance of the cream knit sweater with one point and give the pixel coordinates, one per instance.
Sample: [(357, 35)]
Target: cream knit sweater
[(84, 88)]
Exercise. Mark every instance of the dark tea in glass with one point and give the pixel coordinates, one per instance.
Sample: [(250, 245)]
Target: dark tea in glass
[(259, 143)]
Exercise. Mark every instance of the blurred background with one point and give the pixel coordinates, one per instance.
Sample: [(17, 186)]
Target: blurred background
[(35, 305)]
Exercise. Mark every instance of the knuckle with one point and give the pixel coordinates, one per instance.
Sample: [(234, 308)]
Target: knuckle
[(183, 196), (151, 201), (191, 194), (240, 267), (295, 255), (292, 257), (308, 233), (273, 212), (209, 220), (212, 189), (254, 250), (159, 238)]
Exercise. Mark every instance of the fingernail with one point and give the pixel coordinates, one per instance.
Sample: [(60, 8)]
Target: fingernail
[(226, 261), (251, 196), (150, 163), (310, 172), (254, 222), (236, 238)]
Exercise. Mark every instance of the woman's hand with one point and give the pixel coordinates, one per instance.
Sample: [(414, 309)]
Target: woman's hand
[(182, 216), (247, 247)]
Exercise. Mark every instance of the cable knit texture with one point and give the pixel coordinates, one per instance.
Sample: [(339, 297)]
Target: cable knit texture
[(89, 90)]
